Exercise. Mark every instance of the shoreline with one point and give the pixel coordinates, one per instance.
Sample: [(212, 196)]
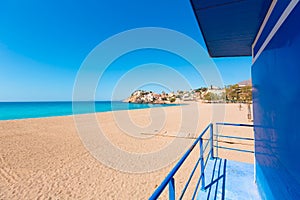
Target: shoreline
[(66, 115), (183, 103)]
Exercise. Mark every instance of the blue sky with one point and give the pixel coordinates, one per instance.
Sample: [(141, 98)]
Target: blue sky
[(43, 44)]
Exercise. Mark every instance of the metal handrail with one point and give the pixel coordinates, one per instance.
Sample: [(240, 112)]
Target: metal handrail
[(169, 178), (233, 137), (234, 124), (234, 149)]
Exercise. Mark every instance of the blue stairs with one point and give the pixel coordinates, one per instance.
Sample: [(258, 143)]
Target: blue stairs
[(227, 179)]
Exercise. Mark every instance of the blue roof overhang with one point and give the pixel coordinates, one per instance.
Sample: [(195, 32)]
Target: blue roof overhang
[(229, 27)]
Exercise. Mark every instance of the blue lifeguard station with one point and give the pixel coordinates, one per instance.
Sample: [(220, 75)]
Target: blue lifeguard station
[(269, 31)]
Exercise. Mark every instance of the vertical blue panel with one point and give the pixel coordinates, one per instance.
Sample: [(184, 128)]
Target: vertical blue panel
[(275, 15), (276, 96)]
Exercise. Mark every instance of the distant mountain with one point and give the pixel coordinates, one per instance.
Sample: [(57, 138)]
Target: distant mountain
[(246, 82)]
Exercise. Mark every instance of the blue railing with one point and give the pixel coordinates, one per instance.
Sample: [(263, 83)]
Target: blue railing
[(169, 180), (233, 124), (217, 136)]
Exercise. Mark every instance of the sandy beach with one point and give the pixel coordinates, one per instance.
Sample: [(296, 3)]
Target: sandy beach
[(45, 158)]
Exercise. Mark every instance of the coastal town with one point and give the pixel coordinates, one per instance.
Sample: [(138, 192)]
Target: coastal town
[(238, 93)]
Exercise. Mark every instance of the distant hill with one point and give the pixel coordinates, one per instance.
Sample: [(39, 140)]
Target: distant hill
[(246, 82)]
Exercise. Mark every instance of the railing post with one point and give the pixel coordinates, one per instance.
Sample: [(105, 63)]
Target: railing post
[(217, 140), (172, 189), (211, 141), (202, 177)]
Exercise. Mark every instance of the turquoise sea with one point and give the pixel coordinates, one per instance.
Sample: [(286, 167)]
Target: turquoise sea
[(23, 110)]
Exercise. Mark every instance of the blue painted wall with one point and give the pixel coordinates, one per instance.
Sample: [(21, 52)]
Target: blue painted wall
[(276, 102)]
